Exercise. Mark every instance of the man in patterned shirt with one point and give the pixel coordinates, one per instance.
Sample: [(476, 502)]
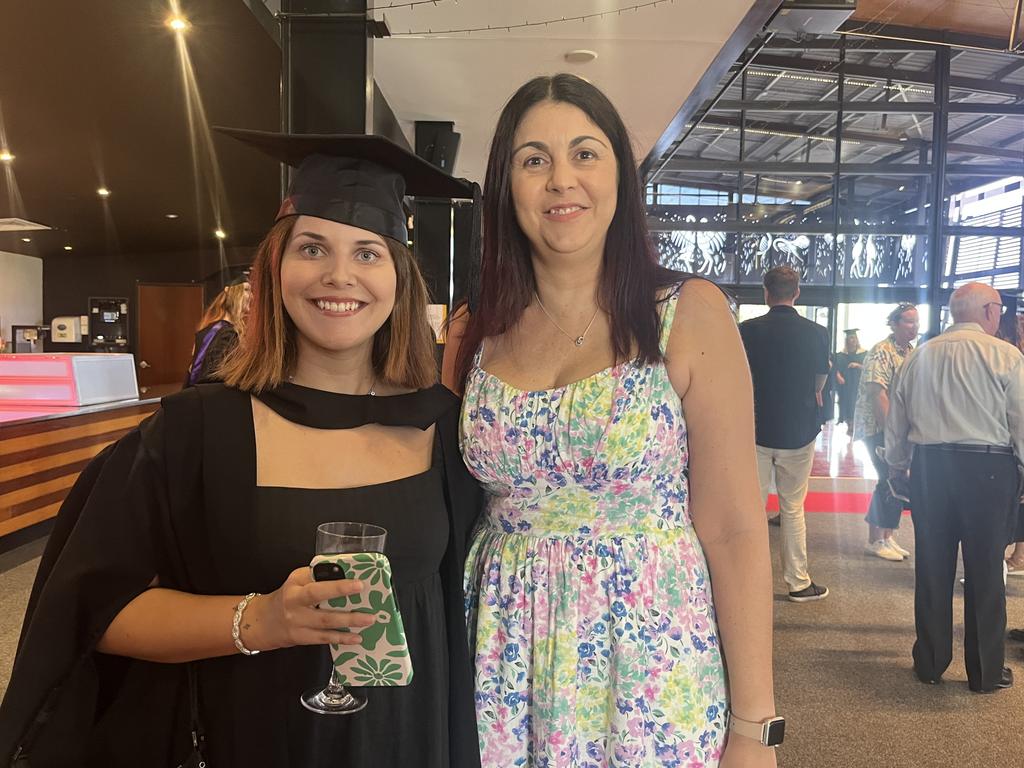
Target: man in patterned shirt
[(880, 366)]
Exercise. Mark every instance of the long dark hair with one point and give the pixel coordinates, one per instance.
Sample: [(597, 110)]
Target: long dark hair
[(630, 273)]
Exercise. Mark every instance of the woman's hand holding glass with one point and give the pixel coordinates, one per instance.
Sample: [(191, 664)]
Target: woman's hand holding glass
[(289, 615)]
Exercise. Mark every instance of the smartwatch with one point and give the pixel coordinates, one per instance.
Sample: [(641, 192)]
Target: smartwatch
[(769, 732)]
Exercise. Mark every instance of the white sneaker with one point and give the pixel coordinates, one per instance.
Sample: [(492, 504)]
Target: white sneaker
[(882, 549), (895, 546)]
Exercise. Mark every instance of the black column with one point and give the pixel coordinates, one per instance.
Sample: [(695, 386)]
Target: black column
[(327, 67), (437, 143)]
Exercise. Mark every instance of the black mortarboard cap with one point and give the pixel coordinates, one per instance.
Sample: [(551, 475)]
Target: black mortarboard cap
[(851, 331), (353, 179)]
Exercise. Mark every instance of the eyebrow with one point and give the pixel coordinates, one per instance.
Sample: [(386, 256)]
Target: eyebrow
[(544, 147), (321, 239)]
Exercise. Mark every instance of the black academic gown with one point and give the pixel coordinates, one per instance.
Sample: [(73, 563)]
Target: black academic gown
[(142, 508)]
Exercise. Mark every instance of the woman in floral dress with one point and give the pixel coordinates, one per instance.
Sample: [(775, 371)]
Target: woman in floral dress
[(591, 375)]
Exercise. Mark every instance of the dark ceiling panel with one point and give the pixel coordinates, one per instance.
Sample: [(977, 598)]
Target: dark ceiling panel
[(92, 93)]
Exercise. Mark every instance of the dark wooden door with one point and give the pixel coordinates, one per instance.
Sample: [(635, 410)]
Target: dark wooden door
[(168, 313)]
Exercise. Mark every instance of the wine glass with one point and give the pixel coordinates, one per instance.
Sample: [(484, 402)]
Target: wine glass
[(338, 539)]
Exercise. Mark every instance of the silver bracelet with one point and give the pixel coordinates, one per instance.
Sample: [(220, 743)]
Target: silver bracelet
[(236, 624)]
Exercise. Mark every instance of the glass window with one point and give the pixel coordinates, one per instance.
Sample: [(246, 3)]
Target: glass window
[(707, 253), (976, 202), (977, 77), (971, 257), (889, 137), (882, 203), (791, 74), (716, 138), (882, 260), (793, 200), (809, 254), (976, 139), (789, 137)]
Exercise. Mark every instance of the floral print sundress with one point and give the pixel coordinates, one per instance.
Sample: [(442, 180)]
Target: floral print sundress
[(590, 613)]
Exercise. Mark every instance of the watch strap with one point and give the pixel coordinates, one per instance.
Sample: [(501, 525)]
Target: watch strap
[(761, 732)]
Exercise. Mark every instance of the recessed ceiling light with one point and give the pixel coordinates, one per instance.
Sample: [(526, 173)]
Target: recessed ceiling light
[(580, 56), (26, 239), (170, 215), (67, 247), (103, 192), (220, 234), (178, 23), (6, 156)]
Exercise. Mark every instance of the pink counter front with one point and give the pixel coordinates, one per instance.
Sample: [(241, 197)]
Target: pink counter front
[(56, 413)]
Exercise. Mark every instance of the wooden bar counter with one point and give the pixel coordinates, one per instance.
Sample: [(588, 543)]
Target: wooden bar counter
[(43, 450)]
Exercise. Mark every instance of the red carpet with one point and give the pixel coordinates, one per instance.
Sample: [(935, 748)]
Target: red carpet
[(829, 502), (821, 501)]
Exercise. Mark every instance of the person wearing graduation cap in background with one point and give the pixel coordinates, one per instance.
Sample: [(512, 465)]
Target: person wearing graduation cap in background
[(218, 330), (330, 412), (849, 364)]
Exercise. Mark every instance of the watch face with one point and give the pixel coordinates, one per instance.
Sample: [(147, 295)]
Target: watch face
[(775, 732)]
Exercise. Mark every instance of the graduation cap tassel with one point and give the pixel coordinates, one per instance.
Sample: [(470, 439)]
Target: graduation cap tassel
[(475, 249)]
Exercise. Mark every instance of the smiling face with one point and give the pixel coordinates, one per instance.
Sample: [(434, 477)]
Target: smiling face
[(338, 285), (906, 327), (564, 178)]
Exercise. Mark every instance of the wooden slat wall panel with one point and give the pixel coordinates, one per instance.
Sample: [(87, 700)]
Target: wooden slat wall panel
[(37, 468), (17, 444)]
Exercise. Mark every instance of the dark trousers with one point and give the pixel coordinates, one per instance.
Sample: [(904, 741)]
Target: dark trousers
[(885, 510), (970, 500)]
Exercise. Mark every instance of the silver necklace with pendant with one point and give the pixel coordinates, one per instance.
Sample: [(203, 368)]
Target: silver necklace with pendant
[(577, 340)]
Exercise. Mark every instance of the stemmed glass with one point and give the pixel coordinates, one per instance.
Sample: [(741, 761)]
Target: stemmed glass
[(342, 539)]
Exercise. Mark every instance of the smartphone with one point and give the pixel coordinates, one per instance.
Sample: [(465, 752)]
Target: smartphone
[(382, 657)]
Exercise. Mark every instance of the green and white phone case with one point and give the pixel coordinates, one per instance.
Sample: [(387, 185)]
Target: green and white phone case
[(382, 659)]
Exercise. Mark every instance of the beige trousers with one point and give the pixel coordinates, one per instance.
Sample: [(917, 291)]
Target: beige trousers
[(792, 471)]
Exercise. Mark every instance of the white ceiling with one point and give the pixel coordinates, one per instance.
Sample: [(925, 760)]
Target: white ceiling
[(648, 60)]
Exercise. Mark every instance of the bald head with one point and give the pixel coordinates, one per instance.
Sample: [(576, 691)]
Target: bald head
[(976, 303)]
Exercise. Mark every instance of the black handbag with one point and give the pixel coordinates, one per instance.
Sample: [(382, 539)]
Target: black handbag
[(195, 758)]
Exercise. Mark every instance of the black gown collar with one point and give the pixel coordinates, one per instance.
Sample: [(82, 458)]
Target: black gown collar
[(329, 410)]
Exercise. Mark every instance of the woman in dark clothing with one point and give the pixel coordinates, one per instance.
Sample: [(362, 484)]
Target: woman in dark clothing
[(849, 364), (330, 411), (217, 333)]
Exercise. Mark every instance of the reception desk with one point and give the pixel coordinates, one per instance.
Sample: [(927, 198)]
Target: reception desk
[(43, 449)]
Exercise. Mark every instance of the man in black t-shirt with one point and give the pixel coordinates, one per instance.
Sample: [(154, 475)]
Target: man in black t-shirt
[(789, 365)]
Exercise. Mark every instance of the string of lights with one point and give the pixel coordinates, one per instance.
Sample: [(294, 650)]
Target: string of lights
[(528, 23), (410, 4), (833, 79)]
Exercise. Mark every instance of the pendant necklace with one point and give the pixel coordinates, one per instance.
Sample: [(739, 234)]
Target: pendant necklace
[(577, 340)]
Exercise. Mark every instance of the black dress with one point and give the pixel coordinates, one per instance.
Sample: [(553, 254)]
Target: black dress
[(848, 391), (212, 345), (178, 498)]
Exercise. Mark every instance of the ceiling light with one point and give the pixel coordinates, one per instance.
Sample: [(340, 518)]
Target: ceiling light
[(902, 187), (103, 192), (67, 247), (220, 234), (178, 23), (580, 56), (6, 156), (26, 239), (170, 215)]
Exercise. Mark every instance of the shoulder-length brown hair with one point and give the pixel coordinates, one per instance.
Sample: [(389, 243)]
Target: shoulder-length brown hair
[(630, 273), (403, 348)]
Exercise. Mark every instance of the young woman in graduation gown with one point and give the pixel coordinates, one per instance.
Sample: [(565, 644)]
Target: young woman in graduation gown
[(330, 412)]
